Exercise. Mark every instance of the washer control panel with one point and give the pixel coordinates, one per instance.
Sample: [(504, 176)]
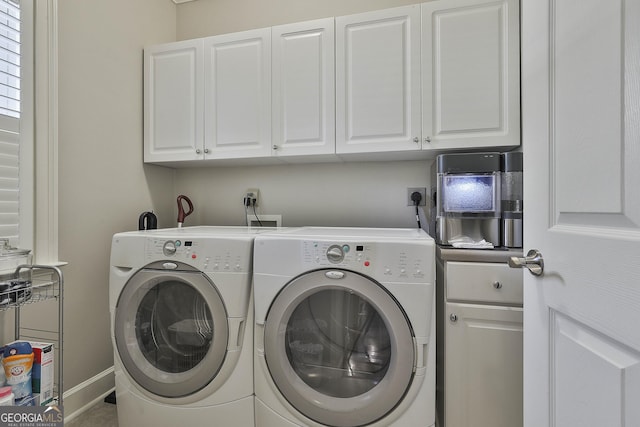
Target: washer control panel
[(203, 254), (389, 260)]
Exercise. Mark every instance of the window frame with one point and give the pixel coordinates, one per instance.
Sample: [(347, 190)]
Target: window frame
[(26, 164), (45, 199)]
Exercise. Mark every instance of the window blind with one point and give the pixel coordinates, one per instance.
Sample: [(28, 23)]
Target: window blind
[(9, 58), (9, 118)]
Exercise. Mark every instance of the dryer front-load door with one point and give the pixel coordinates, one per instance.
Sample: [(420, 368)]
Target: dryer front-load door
[(171, 331), (339, 348)]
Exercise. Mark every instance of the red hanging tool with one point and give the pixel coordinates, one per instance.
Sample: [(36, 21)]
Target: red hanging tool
[(181, 213)]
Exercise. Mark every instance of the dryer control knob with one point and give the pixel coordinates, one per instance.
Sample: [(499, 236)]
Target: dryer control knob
[(335, 254), (169, 248)]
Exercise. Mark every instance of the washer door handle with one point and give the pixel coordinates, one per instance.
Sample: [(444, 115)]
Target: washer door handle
[(334, 275)]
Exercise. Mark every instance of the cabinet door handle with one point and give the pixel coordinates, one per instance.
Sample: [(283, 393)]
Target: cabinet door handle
[(453, 317), (497, 285), (427, 139), (416, 139), (206, 151), (198, 151)]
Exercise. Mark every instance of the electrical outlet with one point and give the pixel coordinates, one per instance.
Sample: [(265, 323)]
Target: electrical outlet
[(423, 194), (251, 194)]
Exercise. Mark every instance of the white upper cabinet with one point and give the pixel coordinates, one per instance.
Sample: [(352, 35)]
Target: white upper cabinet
[(394, 84), (303, 89), (470, 74), (237, 91), (378, 81), (173, 102)]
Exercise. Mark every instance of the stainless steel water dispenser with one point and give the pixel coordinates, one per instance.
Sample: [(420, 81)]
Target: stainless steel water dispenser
[(468, 197), (512, 202)]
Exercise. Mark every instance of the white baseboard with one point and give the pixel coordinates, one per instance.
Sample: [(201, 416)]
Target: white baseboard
[(80, 398)]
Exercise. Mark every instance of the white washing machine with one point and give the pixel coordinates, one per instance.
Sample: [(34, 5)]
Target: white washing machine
[(344, 328), (181, 325)]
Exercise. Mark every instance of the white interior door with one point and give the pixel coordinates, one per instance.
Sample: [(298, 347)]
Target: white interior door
[(581, 137)]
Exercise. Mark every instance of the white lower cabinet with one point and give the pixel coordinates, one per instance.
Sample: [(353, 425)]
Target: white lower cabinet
[(479, 363), (483, 366)]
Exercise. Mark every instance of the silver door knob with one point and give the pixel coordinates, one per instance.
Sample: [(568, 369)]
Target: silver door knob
[(275, 147), (427, 139), (533, 261), (206, 151), (453, 317), (198, 151), (416, 139)]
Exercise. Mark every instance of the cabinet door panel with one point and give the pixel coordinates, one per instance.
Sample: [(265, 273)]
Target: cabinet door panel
[(173, 101), (470, 70), (378, 81), (483, 282), (238, 94), (303, 88), (483, 366)]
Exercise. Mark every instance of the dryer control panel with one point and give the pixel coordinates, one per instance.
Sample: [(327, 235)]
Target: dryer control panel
[(204, 254), (388, 261)]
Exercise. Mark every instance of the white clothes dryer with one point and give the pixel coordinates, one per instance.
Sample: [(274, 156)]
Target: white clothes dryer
[(181, 326), (344, 328)]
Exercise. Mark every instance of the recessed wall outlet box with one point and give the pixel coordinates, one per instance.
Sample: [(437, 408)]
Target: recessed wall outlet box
[(251, 194), (264, 221), (423, 196)]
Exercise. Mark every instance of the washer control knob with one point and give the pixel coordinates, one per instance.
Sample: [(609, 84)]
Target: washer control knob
[(169, 248), (335, 254)]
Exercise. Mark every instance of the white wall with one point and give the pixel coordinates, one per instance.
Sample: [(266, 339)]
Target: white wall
[(342, 194), (103, 186), (331, 194), (210, 17)]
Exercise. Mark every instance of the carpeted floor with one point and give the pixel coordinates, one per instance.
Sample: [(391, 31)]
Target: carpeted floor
[(101, 415)]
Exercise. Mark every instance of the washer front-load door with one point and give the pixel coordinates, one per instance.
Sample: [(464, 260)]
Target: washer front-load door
[(171, 331), (339, 348)]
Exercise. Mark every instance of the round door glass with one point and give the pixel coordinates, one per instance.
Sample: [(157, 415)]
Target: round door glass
[(174, 327), (339, 348), (338, 344), (171, 331)]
